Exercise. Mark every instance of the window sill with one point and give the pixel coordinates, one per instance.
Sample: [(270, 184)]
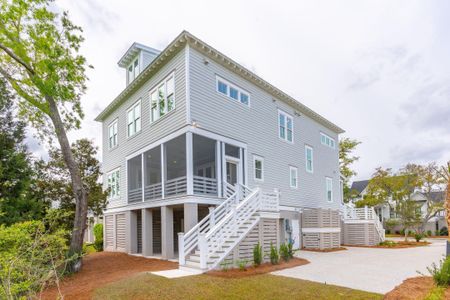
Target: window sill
[(286, 141), (113, 148), (163, 117), (228, 98), (132, 136)]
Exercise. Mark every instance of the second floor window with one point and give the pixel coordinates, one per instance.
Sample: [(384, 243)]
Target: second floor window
[(293, 174), (134, 119), (329, 189), (327, 141), (162, 99), (258, 163), (114, 184), (309, 158), (112, 135), (286, 126)]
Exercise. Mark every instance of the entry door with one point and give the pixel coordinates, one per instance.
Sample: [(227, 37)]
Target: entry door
[(232, 172)]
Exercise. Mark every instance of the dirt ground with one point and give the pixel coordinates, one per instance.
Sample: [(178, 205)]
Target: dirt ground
[(325, 250), (416, 288), (262, 269), (102, 268), (397, 245)]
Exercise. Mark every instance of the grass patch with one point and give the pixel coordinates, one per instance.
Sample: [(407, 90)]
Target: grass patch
[(147, 286), (437, 293)]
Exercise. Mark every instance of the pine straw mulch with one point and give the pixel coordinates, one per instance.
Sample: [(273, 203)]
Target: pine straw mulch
[(325, 250), (102, 268), (261, 269), (396, 245), (416, 288)]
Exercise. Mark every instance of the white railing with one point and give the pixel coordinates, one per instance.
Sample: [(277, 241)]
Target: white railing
[(228, 189), (205, 185), (153, 191), (135, 195), (379, 226), (175, 186), (227, 229), (365, 213), (270, 202)]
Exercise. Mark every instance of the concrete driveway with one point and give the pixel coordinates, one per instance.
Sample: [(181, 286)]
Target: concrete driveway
[(368, 269)]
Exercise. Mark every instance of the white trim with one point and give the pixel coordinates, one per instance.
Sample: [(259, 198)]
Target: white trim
[(218, 137), (187, 70), (327, 180), (154, 89), (163, 170), (189, 164), (321, 229), (224, 165), (132, 107), (292, 168), (110, 173), (234, 86), (260, 158), (245, 165), (218, 168), (307, 147), (286, 115)]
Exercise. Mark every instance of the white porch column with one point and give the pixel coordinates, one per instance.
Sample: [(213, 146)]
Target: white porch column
[(224, 168), (218, 169), (245, 165), (143, 176), (131, 235), (147, 232), (163, 170), (190, 216), (166, 232), (189, 164)]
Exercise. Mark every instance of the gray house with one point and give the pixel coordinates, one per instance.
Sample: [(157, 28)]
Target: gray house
[(203, 159)]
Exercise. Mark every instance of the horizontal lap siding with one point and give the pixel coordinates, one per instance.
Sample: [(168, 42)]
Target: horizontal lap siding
[(257, 126), (149, 133)]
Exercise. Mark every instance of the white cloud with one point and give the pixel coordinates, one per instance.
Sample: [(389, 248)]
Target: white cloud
[(365, 65)]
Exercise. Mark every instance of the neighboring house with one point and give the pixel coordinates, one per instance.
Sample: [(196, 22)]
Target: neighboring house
[(202, 156), (387, 210)]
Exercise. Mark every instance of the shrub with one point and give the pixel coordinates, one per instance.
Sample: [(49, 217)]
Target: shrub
[(290, 247), (388, 243), (397, 232), (242, 264), (98, 234), (284, 252), (257, 255), (274, 257), (443, 231), (30, 258), (429, 233), (388, 231), (441, 274), (418, 236)]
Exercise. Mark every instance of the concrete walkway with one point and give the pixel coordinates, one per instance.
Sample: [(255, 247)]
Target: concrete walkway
[(368, 269)]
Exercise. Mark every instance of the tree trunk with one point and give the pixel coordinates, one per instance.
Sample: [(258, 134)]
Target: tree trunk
[(81, 203), (447, 207)]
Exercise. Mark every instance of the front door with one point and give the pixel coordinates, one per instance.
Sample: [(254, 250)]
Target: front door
[(232, 172)]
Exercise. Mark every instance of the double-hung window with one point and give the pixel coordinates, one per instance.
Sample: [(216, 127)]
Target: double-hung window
[(286, 126), (112, 134), (329, 189), (232, 91), (114, 184), (162, 98), (293, 177), (258, 163), (309, 159), (327, 140), (133, 70), (134, 119)]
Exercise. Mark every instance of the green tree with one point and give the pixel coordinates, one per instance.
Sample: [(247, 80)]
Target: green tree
[(17, 200), (346, 158), (56, 186), (39, 57), (444, 175)]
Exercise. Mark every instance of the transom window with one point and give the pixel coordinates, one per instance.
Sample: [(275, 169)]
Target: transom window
[(133, 70), (114, 184), (327, 140), (112, 134), (258, 164), (309, 158), (162, 98), (134, 119), (234, 92), (286, 126), (329, 188), (293, 174)]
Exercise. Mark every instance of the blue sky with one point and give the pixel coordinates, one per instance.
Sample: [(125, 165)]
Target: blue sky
[(378, 69)]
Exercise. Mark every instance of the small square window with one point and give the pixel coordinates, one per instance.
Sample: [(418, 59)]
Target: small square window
[(222, 87), (234, 93), (244, 98)]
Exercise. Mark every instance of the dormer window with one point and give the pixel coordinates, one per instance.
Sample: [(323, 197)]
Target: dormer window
[(133, 70)]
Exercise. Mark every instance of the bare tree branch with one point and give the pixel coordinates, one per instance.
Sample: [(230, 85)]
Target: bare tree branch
[(17, 59)]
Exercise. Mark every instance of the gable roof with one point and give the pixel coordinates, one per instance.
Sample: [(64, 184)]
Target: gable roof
[(186, 38), (134, 49), (359, 186)]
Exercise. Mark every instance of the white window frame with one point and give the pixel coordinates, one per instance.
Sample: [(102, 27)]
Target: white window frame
[(286, 117), (261, 159), (162, 83), (132, 108), (295, 169), (113, 175), (228, 95), (307, 147), (329, 180), (115, 135), (327, 140), (135, 71)]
